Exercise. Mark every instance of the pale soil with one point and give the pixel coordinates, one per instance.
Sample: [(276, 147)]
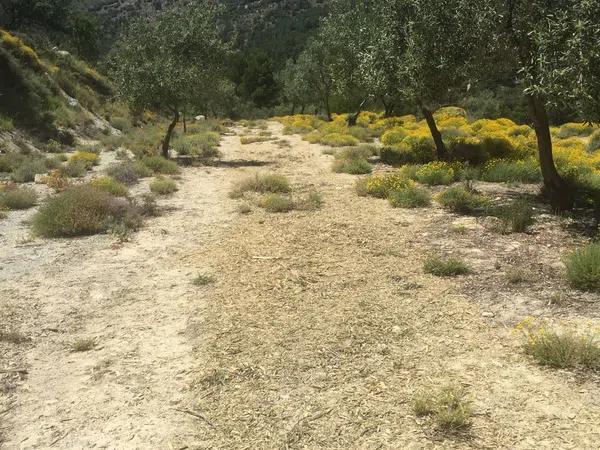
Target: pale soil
[(318, 331)]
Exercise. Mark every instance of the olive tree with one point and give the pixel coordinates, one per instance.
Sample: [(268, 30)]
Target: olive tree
[(556, 58), (444, 41), (315, 63), (162, 63)]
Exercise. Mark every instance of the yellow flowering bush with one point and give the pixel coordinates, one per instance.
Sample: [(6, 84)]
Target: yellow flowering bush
[(88, 159), (21, 49), (382, 184), (560, 347), (435, 173), (338, 140), (394, 135)]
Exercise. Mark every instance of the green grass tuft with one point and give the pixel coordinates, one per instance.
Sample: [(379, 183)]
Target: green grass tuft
[(450, 267), (583, 268)]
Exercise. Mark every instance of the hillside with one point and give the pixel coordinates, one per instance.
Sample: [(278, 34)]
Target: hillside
[(278, 27)]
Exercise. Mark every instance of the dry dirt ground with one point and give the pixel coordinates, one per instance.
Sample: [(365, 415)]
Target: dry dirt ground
[(318, 330)]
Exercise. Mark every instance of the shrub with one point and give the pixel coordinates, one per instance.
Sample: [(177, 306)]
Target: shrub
[(398, 155), (163, 186), (462, 199), (269, 183), (594, 142), (435, 173), (381, 185), (74, 169), (160, 165), (393, 136), (6, 124), (583, 268), (128, 172), (245, 140), (83, 210), (26, 171), (516, 216), (352, 166), (574, 129), (148, 206), (410, 197), (450, 267), (525, 171), (203, 145), (468, 149), (277, 203), (338, 140), (89, 159), (17, 198), (110, 185), (313, 201), (562, 348), (449, 408)]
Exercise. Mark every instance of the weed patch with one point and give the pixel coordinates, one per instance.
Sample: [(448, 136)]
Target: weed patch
[(583, 268), (560, 348), (83, 210), (449, 408), (17, 198), (163, 186), (449, 267)]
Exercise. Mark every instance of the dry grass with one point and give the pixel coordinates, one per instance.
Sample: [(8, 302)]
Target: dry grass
[(449, 408)]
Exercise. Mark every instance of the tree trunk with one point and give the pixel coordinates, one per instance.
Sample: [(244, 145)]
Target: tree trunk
[(327, 107), (293, 108), (388, 107), (442, 152), (555, 187), (302, 108), (352, 118), (167, 139), (184, 123)]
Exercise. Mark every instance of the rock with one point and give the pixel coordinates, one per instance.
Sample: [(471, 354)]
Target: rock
[(40, 178), (200, 118), (487, 314)]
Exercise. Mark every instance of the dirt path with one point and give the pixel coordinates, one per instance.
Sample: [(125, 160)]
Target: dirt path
[(134, 300), (318, 331)]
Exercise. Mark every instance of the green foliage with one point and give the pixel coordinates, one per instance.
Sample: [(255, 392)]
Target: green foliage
[(449, 267), (17, 198), (462, 199), (128, 172), (352, 166), (203, 145), (449, 408), (28, 168), (75, 169), (501, 171), (6, 124), (561, 348), (110, 185), (163, 186), (158, 164), (83, 210), (277, 203), (253, 74), (338, 140), (435, 173), (268, 183), (515, 217), (169, 62), (410, 197), (583, 268), (594, 142)]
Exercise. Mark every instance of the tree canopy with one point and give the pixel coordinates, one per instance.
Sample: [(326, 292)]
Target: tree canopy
[(164, 62)]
